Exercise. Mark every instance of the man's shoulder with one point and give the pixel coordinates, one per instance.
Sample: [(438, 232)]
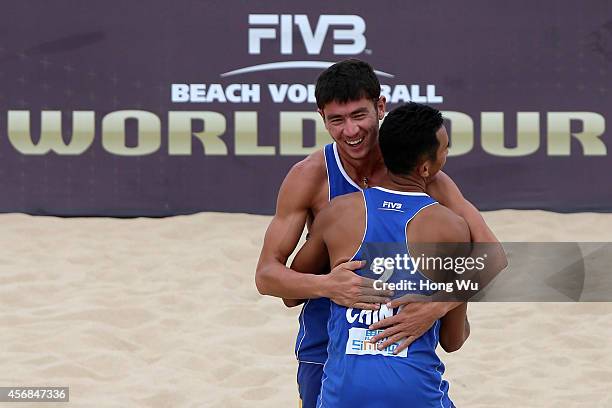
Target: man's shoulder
[(440, 224), (305, 185), (345, 201), (338, 220), (312, 168), (344, 206)]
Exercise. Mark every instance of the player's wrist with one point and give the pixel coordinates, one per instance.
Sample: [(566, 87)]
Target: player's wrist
[(315, 286), (321, 286), (439, 309), (445, 307)]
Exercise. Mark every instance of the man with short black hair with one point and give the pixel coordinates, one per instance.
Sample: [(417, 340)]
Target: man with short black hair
[(359, 370)]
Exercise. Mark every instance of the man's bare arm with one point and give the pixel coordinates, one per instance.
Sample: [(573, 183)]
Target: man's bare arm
[(417, 317), (455, 329), (343, 285), (272, 277), (311, 258), (446, 192)]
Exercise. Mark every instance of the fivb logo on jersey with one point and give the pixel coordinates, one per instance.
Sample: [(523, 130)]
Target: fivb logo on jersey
[(346, 32)]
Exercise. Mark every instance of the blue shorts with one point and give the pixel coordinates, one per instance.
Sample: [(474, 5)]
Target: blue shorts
[(309, 383)]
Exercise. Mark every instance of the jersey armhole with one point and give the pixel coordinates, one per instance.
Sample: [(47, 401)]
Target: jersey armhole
[(365, 230)]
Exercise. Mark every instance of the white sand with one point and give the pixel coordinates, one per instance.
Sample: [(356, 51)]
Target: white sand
[(164, 313)]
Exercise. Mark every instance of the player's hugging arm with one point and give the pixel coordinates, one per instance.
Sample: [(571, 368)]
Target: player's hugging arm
[(446, 192), (272, 277), (455, 327), (312, 256)]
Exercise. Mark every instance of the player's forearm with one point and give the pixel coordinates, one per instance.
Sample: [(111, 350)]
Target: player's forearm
[(445, 307), (489, 245), (455, 329), (479, 230), (279, 281), (481, 233)]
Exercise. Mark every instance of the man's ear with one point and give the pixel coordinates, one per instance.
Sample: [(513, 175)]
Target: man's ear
[(323, 117), (423, 169), (380, 107)]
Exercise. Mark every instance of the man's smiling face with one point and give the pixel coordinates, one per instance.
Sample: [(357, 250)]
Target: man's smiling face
[(354, 125)]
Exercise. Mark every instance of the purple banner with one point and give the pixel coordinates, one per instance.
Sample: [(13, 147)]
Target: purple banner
[(130, 109)]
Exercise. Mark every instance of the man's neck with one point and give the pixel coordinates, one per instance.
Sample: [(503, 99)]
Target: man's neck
[(369, 169), (408, 183)]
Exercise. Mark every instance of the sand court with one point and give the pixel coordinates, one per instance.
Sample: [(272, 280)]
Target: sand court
[(165, 313)]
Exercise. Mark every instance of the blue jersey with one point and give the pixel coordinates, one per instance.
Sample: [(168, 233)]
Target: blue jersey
[(312, 338), (356, 373)]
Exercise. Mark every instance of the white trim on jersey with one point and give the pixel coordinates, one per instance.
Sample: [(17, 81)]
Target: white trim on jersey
[(297, 352), (327, 172), (407, 193), (365, 230), (437, 339), (339, 163)]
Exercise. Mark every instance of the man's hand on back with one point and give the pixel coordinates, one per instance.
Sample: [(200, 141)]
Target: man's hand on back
[(344, 287), (410, 323)]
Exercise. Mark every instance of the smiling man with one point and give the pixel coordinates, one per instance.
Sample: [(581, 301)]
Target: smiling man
[(349, 101)]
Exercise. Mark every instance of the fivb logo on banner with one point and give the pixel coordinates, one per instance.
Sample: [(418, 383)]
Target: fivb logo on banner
[(340, 35), (291, 35), (280, 28)]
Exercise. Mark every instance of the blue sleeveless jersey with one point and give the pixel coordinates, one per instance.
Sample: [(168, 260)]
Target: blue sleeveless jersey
[(312, 338), (356, 373)]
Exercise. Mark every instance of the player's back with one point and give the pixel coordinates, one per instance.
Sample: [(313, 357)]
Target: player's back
[(369, 226)]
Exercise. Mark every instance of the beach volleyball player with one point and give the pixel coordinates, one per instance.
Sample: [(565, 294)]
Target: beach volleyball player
[(349, 101), (364, 226)]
